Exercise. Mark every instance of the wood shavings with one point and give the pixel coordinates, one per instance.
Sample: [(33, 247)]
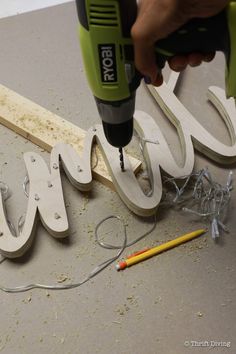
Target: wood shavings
[(27, 300), (122, 310), (158, 300), (62, 278)]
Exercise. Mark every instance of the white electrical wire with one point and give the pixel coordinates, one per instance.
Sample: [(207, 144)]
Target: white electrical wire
[(95, 271), (209, 198), (5, 193)]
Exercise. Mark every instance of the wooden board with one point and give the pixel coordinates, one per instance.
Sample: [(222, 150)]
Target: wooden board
[(46, 129)]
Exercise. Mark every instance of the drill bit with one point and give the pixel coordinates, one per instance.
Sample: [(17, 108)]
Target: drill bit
[(121, 159)]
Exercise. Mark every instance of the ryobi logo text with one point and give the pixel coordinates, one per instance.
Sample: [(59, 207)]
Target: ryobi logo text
[(107, 56)]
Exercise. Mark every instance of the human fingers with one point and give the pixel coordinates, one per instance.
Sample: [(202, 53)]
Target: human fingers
[(146, 31), (195, 59), (209, 57), (178, 62)]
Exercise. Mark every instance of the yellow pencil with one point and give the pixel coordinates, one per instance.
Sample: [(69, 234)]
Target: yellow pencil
[(158, 249)]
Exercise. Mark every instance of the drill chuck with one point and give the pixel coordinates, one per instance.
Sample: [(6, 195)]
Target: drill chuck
[(117, 120), (119, 135)]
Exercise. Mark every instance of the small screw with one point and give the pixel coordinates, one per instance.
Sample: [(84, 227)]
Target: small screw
[(50, 184), (36, 197), (32, 159), (79, 169), (55, 166)]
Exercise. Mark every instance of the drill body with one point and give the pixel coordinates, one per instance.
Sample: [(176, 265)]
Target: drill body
[(108, 56)]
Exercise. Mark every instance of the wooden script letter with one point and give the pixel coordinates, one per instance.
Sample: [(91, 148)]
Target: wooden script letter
[(46, 195)]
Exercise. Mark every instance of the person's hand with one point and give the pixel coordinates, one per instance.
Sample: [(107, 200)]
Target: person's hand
[(156, 20)]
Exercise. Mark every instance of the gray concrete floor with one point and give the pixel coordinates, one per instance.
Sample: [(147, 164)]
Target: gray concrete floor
[(187, 294)]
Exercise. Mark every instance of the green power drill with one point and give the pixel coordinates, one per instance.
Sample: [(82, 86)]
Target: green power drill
[(108, 57)]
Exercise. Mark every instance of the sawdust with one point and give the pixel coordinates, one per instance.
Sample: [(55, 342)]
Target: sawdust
[(27, 300), (132, 300), (61, 278), (85, 201), (122, 310), (158, 300)]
